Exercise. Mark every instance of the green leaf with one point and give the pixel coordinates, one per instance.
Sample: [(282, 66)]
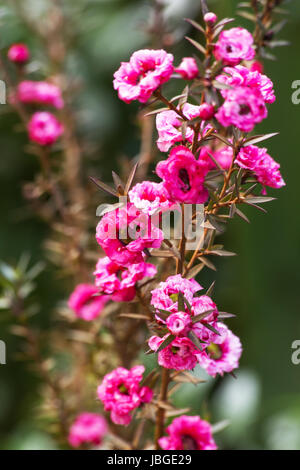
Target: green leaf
[(222, 253), (218, 427), (242, 215), (221, 86), (201, 316), (211, 328), (278, 26), (195, 270), (223, 315), (208, 263), (210, 289), (166, 343), (232, 210), (180, 302), (118, 182), (247, 15), (195, 25), (184, 97), (188, 305), (223, 139), (195, 340), (103, 186), (258, 138), (219, 226), (131, 178), (278, 43), (259, 199), (156, 111), (196, 45), (163, 314)]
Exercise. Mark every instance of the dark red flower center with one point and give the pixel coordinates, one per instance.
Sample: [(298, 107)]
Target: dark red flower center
[(244, 109), (184, 177), (189, 443)]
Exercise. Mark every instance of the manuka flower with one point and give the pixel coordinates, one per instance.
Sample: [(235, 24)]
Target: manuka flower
[(146, 70), (88, 428), (86, 303), (183, 176), (180, 354), (241, 76), (188, 68), (18, 53), (234, 45), (243, 108), (44, 128), (262, 164), (121, 393), (124, 233), (223, 354), (150, 197), (188, 433), (40, 93), (119, 282), (169, 126)]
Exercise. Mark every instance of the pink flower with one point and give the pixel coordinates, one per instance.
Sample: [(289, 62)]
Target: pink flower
[(169, 126), (44, 128), (180, 354), (262, 164), (119, 282), (268, 173), (210, 18), (257, 66), (188, 433), (124, 234), (146, 70), (206, 111), (88, 427), (249, 156), (121, 393), (223, 354), (178, 323), (18, 53), (85, 302), (165, 296), (234, 45), (188, 68), (183, 176), (150, 197), (243, 107), (241, 76), (224, 157), (40, 93)]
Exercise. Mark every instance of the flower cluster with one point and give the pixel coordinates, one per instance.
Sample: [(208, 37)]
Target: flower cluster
[(121, 393), (183, 176), (169, 123), (191, 329), (125, 233), (262, 165), (88, 428), (43, 127), (118, 281), (208, 163)]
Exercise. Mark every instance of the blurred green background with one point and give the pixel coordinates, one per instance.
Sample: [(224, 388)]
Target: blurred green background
[(261, 285)]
